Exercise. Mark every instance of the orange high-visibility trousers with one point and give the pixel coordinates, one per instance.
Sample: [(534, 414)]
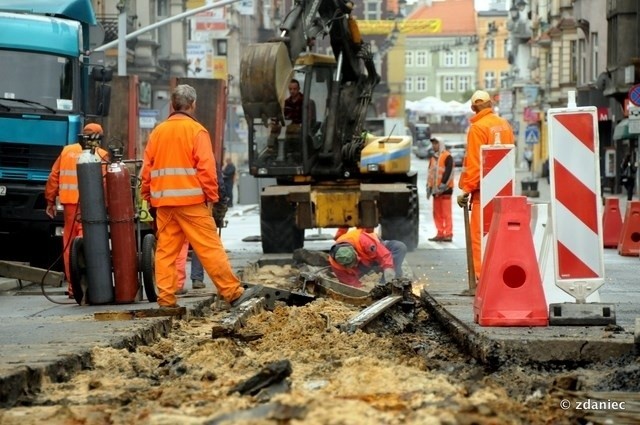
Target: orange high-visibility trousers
[(442, 215), (181, 265), (476, 232), (70, 231), (195, 224)]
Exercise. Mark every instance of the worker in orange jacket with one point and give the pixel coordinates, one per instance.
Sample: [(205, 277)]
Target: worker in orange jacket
[(63, 183), (360, 251), (440, 185), (484, 130), (180, 183)]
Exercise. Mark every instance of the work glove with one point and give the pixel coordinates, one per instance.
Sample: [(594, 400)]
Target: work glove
[(429, 192), (219, 212), (463, 200), (389, 275), (442, 188)]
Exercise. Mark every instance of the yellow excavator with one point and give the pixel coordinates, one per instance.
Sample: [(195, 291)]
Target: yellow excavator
[(330, 171)]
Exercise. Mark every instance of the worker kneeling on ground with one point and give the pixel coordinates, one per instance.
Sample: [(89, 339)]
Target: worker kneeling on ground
[(179, 180), (358, 251)]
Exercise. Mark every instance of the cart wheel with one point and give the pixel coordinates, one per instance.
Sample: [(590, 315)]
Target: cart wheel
[(148, 267), (78, 270)]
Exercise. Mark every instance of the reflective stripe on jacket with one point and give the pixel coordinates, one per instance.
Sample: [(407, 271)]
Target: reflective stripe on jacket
[(63, 178), (437, 168), (484, 126), (179, 167)]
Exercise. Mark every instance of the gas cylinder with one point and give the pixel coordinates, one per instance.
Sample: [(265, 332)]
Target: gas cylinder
[(95, 228), (121, 224)]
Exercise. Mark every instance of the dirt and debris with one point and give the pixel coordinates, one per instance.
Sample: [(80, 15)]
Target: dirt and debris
[(376, 375)]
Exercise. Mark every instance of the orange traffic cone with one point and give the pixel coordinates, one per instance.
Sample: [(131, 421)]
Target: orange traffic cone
[(510, 292), (629, 243), (611, 222)]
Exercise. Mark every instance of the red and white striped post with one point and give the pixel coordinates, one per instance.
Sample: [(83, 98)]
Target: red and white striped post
[(497, 178), (575, 199)]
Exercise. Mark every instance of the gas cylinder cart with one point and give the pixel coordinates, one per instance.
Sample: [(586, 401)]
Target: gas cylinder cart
[(114, 259)]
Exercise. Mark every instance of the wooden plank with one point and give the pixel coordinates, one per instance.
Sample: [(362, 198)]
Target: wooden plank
[(368, 314), (140, 314), (229, 324), (27, 273)]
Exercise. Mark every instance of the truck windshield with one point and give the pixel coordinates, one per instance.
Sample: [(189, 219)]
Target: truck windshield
[(36, 81)]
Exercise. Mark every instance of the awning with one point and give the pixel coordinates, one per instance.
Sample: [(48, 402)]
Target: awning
[(621, 131)]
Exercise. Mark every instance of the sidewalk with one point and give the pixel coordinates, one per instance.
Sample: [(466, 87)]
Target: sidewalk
[(443, 279)]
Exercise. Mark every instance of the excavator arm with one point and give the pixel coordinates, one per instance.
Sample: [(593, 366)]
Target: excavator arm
[(266, 69)]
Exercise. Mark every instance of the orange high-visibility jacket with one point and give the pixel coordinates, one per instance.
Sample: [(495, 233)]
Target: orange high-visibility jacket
[(437, 168), (370, 251), (63, 178), (484, 125), (179, 167)]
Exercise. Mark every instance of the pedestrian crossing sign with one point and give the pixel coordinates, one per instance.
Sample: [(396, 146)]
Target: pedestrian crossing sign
[(532, 134)]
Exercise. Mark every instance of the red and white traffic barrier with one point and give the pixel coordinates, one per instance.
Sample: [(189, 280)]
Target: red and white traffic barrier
[(497, 178), (575, 201)]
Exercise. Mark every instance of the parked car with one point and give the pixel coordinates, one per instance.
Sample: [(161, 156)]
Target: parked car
[(422, 149), (457, 151)]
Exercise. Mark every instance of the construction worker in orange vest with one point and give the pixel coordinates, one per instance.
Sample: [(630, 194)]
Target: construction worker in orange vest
[(179, 181), (485, 125), (440, 185), (63, 183), (359, 251)]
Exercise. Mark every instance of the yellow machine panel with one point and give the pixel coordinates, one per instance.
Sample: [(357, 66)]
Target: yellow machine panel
[(336, 208), (388, 154)]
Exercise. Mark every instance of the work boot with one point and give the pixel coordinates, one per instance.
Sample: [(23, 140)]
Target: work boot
[(447, 239), (249, 293), (198, 284), (436, 239), (182, 291)]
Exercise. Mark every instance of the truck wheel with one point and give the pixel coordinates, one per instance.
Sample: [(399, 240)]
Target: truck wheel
[(148, 267), (404, 228), (278, 231), (281, 236), (78, 269)]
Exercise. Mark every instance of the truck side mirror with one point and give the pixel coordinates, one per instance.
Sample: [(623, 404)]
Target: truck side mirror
[(101, 74), (102, 99)]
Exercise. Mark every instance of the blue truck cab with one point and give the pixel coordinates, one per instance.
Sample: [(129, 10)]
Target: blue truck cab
[(44, 99)]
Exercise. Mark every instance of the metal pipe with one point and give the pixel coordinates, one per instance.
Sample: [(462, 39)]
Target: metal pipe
[(122, 42), (153, 26)]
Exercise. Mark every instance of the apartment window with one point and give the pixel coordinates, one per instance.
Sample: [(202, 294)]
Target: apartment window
[(573, 62), (504, 79), (421, 84), (594, 56), (463, 58), (582, 57), (408, 84), (506, 46), (449, 84), (449, 58), (373, 10), (490, 49), (162, 8), (421, 58), (408, 58), (489, 80), (464, 84)]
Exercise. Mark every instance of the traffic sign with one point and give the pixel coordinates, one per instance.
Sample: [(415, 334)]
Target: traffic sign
[(634, 94), (531, 134)]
